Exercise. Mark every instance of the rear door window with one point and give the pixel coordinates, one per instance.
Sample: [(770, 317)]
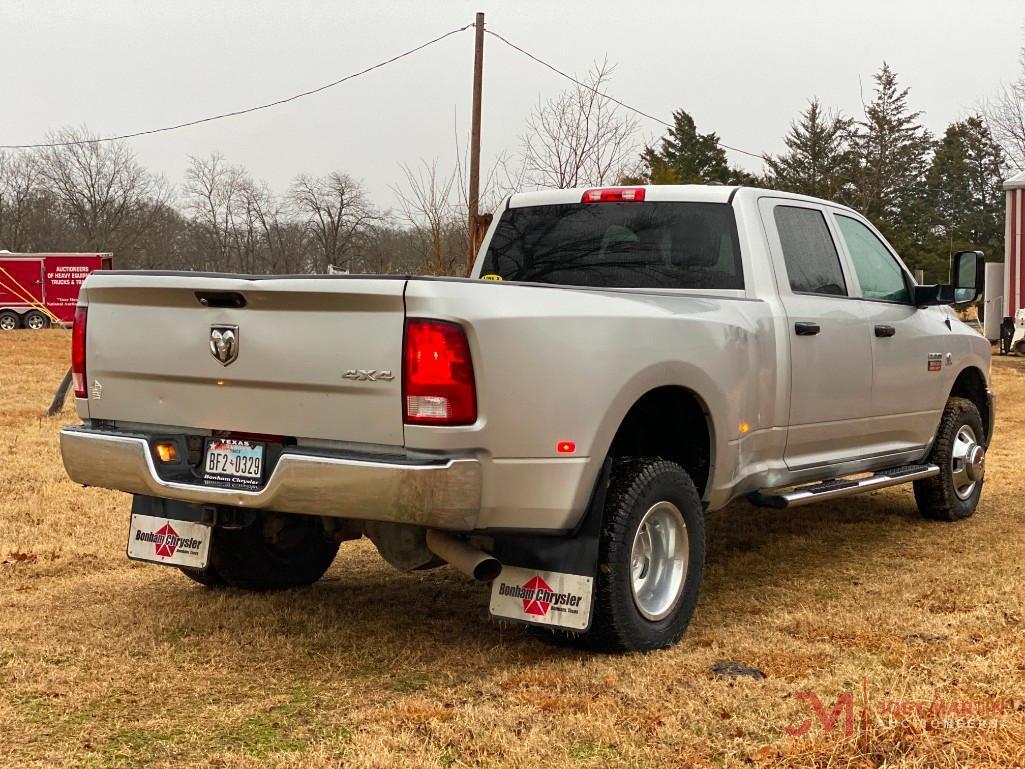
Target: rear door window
[(618, 245), (813, 264)]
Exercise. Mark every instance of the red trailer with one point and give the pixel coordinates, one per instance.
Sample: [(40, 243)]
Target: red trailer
[(37, 290)]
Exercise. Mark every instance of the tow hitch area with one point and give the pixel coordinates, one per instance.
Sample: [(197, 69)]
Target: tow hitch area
[(547, 598)]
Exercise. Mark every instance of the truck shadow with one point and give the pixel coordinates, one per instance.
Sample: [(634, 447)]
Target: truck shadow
[(370, 620)]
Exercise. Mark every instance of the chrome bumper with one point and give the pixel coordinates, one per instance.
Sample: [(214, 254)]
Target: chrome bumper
[(443, 495)]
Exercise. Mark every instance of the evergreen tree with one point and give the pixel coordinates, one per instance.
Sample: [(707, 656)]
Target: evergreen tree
[(685, 156), (891, 150), (964, 182), (819, 161)]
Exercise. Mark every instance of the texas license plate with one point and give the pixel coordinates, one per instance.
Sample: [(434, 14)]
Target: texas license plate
[(164, 540), (235, 463)]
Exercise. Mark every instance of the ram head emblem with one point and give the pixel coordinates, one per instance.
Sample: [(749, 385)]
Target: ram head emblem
[(224, 343)]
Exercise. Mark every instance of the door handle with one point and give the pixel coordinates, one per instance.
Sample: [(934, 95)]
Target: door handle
[(805, 328), (885, 330)]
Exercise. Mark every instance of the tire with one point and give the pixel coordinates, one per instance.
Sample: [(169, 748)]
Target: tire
[(954, 494), (660, 494), (36, 321), (275, 552), (9, 321), (207, 577)]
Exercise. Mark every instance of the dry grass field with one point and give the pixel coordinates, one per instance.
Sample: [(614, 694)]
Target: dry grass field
[(109, 663)]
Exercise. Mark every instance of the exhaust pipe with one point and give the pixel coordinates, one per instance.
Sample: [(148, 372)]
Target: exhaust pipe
[(469, 560)]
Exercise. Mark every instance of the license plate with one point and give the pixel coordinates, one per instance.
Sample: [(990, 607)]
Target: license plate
[(542, 597), (237, 463), (163, 540)]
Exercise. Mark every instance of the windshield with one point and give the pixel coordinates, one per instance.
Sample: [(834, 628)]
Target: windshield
[(618, 245)]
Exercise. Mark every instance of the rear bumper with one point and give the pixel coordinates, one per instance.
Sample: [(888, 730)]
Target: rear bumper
[(444, 495)]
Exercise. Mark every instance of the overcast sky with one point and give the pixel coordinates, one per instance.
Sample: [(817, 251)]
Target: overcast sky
[(743, 69)]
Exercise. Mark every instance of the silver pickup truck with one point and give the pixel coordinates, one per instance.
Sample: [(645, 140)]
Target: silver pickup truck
[(621, 362)]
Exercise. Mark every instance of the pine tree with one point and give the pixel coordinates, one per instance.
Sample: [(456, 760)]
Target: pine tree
[(964, 182), (892, 154), (685, 156), (819, 161)]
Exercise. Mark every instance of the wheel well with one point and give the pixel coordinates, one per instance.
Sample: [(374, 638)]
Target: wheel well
[(971, 384), (671, 423)]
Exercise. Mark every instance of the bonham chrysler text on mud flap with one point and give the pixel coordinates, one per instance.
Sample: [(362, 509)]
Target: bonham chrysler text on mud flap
[(634, 358)]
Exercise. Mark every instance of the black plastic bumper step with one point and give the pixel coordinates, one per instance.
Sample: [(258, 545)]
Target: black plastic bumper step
[(842, 487)]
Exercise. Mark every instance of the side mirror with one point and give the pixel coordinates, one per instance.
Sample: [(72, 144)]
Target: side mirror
[(968, 276), (967, 279)]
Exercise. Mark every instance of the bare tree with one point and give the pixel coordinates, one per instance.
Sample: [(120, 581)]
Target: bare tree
[(212, 189), (22, 196), (336, 213), (247, 232), (580, 137), (1005, 114), (502, 179), (101, 188), (285, 239), (426, 203)]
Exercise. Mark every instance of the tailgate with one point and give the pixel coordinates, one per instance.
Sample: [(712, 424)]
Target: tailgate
[(150, 358)]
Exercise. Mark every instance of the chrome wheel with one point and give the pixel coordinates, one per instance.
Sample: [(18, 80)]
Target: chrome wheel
[(967, 462), (35, 321), (8, 322), (658, 560)]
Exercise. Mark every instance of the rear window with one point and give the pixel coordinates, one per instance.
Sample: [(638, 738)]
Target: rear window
[(618, 245)]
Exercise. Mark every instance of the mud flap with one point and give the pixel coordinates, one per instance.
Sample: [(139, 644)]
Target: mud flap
[(548, 580)]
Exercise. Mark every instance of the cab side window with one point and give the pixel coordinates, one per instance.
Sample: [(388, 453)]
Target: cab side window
[(878, 272), (813, 264)]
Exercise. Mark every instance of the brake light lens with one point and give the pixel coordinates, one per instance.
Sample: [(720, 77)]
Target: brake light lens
[(614, 195), (437, 375), (78, 352)]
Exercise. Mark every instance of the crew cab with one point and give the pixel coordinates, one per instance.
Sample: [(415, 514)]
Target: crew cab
[(621, 362)]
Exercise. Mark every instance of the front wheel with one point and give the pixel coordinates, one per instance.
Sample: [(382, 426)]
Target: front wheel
[(960, 452), (651, 558)]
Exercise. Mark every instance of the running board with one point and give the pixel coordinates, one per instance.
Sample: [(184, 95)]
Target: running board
[(843, 487)]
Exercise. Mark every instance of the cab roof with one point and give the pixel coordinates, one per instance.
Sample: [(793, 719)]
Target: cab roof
[(691, 193), (694, 193)]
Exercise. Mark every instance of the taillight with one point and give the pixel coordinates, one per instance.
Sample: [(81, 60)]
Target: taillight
[(78, 352), (437, 375), (614, 195)]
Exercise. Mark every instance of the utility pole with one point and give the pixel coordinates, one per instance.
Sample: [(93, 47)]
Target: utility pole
[(473, 196)]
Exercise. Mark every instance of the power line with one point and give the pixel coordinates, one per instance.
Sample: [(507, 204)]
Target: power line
[(591, 88), (367, 70), (246, 111)]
